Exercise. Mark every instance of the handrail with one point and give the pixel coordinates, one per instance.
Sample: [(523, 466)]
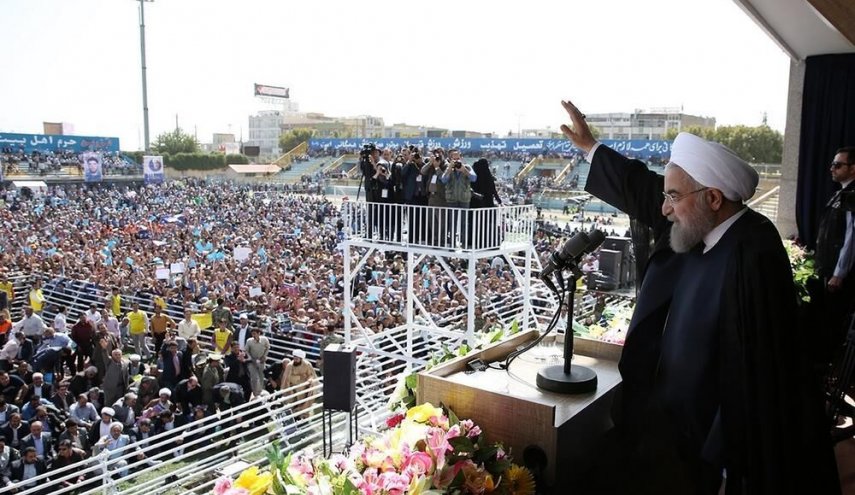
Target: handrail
[(563, 174), (528, 167), (338, 162), (435, 227), (287, 159)]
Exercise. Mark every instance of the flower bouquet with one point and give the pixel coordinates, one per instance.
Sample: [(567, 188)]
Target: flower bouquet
[(424, 452)]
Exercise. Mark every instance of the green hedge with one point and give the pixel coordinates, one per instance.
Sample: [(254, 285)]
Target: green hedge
[(194, 161), (237, 159)]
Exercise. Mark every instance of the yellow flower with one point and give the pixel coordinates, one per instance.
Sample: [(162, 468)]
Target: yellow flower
[(519, 481), (423, 413), (254, 482)]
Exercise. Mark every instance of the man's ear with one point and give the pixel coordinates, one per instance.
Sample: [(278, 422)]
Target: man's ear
[(716, 199)]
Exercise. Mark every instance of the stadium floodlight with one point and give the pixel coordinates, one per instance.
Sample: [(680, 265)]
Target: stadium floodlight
[(142, 63)]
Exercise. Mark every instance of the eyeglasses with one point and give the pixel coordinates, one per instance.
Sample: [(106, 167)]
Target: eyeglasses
[(836, 165), (675, 198)]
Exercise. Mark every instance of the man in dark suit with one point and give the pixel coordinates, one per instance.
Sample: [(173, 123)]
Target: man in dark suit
[(27, 467), (39, 440), (62, 399), (835, 255), (171, 364), (6, 410), (8, 455), (15, 430), (12, 388), (712, 357), (25, 347), (39, 387), (188, 394)]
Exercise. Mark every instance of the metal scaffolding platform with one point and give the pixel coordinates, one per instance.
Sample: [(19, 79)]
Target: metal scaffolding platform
[(444, 237)]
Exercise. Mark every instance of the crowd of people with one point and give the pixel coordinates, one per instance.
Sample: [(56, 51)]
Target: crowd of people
[(52, 162), (235, 253)]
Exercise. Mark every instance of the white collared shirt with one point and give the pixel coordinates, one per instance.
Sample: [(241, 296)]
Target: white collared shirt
[(715, 235)]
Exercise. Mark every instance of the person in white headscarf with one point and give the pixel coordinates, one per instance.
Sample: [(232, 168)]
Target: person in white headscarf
[(711, 366)]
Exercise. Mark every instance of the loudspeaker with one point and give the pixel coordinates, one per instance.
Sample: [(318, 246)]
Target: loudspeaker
[(610, 264), (339, 377)]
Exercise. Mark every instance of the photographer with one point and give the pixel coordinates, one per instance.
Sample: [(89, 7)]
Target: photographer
[(458, 193), (384, 189), (414, 192), (431, 172)]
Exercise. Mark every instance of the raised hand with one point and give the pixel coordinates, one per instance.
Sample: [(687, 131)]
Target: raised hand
[(580, 133)]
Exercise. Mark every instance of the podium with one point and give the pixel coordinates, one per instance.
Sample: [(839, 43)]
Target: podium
[(510, 408)]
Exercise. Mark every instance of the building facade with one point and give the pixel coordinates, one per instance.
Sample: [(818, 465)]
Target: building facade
[(645, 124), (264, 130)]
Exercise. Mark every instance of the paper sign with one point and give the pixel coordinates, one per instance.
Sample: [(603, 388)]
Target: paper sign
[(203, 319), (242, 253), (177, 267), (162, 274), (375, 291), (255, 291)]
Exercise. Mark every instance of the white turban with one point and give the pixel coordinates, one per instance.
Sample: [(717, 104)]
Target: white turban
[(714, 165), (299, 353)]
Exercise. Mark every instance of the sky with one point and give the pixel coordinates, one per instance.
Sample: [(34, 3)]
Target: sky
[(473, 65)]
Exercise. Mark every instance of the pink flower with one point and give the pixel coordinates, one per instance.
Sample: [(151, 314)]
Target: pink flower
[(370, 482), (222, 485), (394, 483), (453, 432), (419, 463), (473, 432), (236, 491), (500, 454), (438, 445), (466, 424)]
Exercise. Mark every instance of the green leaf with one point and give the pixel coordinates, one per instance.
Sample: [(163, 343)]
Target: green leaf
[(462, 446), (350, 488), (452, 418), (463, 350), (515, 327), (412, 381)]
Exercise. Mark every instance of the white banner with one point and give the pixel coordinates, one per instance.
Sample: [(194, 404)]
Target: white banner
[(153, 168)]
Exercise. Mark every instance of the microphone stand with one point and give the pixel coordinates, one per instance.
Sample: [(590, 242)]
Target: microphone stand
[(568, 378)]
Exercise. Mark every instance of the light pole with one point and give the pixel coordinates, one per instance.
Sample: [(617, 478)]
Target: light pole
[(142, 62)]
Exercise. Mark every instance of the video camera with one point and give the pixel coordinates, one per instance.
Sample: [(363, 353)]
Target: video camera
[(367, 149)]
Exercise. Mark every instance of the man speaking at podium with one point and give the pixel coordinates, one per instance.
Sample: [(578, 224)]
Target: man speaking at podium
[(715, 391)]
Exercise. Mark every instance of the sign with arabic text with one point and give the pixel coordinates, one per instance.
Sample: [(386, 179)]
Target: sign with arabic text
[(638, 148), (57, 142)]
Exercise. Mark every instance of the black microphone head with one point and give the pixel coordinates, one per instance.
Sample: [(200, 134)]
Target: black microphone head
[(596, 238), (573, 247)]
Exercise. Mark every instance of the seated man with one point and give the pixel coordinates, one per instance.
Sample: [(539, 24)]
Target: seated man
[(15, 430), (8, 455), (12, 388), (115, 442), (39, 440), (68, 455), (26, 468)]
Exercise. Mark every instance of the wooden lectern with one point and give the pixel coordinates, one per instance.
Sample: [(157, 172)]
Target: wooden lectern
[(511, 409)]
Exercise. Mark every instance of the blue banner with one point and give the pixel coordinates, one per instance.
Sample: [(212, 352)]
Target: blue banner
[(638, 148), (55, 142)]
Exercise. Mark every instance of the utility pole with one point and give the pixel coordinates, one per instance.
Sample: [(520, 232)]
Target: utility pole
[(144, 82)]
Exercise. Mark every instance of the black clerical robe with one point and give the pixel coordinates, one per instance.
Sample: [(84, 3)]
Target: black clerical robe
[(713, 347)]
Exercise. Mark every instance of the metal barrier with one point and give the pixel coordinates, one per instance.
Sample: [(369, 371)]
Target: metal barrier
[(433, 227)]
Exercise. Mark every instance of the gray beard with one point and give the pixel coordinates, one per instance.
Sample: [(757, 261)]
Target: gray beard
[(685, 236)]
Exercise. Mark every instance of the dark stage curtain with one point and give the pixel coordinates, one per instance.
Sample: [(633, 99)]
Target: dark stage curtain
[(828, 123)]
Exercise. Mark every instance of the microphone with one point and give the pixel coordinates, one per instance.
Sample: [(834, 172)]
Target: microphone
[(572, 252), (569, 378)]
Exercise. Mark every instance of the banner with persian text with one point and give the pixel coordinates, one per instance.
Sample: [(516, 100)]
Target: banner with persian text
[(57, 142), (638, 148)]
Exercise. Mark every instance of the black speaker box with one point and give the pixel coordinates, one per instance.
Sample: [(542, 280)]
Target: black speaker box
[(339, 377)]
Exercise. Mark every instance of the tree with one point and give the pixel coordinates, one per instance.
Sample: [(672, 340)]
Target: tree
[(289, 140), (760, 144), (175, 142)]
